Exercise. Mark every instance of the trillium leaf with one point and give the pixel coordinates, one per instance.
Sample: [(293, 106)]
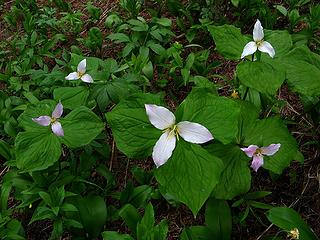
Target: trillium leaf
[(131, 128), (71, 97), (43, 108), (263, 77), (190, 174), (229, 41), (209, 110), (36, 150), (280, 40), (235, 178), (80, 127), (288, 219), (272, 130), (302, 71)]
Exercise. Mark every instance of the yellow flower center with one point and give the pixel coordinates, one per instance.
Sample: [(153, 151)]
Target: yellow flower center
[(258, 152), (173, 131), (294, 234), (80, 74), (234, 94), (259, 43)]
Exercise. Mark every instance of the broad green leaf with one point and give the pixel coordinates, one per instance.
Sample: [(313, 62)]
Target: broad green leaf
[(219, 219), (36, 150), (111, 235), (131, 128), (131, 217), (197, 233), (235, 177), (302, 71), (272, 130), (93, 214), (261, 76), (190, 174), (218, 114), (44, 107), (5, 150), (71, 97), (80, 127), (229, 41), (288, 219), (145, 226), (280, 40)]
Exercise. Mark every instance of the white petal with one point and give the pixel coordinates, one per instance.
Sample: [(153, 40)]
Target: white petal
[(257, 162), (271, 149), (267, 48), (72, 76), (249, 49), (160, 117), (194, 132), (258, 34), (87, 78), (42, 120), (58, 110), (249, 151), (82, 66), (57, 129), (162, 151)]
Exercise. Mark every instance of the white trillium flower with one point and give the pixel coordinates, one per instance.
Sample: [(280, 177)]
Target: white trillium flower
[(53, 120), (257, 154), (163, 119), (80, 73), (258, 43)]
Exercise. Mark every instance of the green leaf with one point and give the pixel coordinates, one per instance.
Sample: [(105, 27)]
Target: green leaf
[(190, 174), (80, 127), (166, 22), (110, 235), (71, 97), (119, 37), (36, 150), (145, 226), (131, 217), (261, 76), (218, 114), (93, 214), (229, 41), (235, 178), (5, 150), (131, 128), (288, 219), (218, 219), (197, 233), (302, 71), (280, 40), (272, 130)]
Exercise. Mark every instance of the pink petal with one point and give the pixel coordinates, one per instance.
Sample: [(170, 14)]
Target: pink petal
[(58, 110), (257, 162), (250, 150), (72, 76), (82, 66), (271, 149), (57, 129), (42, 120), (87, 78)]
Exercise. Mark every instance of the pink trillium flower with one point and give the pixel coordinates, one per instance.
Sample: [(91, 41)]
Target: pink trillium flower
[(80, 73), (163, 119), (257, 154), (53, 120), (258, 43)]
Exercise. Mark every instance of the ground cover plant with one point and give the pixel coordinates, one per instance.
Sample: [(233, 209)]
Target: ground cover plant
[(159, 119)]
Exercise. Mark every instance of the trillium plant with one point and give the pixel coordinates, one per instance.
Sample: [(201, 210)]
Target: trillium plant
[(53, 120), (81, 73), (258, 43), (163, 119), (257, 154)]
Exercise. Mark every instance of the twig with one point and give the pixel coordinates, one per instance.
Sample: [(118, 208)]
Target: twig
[(112, 155)]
